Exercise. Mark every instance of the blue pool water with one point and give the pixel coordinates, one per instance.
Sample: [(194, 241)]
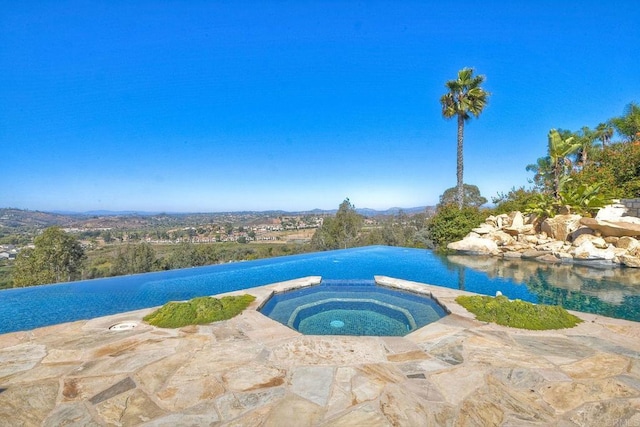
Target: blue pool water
[(361, 308), (352, 307), (28, 308)]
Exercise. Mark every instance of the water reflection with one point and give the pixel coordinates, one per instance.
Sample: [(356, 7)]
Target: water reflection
[(610, 291)]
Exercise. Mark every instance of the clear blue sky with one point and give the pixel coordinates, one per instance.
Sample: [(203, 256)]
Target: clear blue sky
[(229, 105)]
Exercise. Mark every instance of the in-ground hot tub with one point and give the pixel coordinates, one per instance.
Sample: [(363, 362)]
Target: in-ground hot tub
[(360, 308)]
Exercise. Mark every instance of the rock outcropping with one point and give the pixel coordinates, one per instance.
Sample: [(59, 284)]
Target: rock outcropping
[(609, 239)]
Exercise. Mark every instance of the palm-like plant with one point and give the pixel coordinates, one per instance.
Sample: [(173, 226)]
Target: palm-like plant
[(559, 150), (464, 99), (629, 124), (604, 132), (586, 138)]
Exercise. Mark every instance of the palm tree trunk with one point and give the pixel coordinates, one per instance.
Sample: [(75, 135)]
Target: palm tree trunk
[(460, 168)]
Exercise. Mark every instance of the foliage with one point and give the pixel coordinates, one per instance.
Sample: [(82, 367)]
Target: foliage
[(517, 313), (450, 224), (515, 200), (472, 196), (139, 258), (56, 257), (586, 138), (464, 98), (543, 174), (397, 230), (340, 231), (198, 311), (604, 132), (542, 205), (583, 199), (5, 274), (561, 146), (617, 168), (628, 125)]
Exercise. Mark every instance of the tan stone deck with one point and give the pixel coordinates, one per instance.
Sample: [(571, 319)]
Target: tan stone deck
[(252, 371)]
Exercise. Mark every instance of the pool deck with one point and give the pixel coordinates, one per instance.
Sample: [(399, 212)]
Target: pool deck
[(253, 371)]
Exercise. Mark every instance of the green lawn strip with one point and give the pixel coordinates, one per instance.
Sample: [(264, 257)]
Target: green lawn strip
[(198, 311), (517, 313)]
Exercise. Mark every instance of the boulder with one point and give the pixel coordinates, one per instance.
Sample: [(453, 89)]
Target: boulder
[(553, 246), (628, 243), (611, 212), (587, 251), (501, 238), (503, 220), (532, 254), (525, 229), (484, 229), (474, 245), (598, 242), (612, 239), (517, 220), (630, 261), (560, 226), (580, 231), (613, 228)]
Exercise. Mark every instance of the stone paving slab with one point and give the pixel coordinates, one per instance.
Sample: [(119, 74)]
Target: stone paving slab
[(252, 371)]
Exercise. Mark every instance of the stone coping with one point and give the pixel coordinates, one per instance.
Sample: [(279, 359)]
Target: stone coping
[(254, 371)]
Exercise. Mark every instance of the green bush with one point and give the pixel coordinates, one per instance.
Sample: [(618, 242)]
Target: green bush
[(450, 224), (517, 313), (515, 200), (617, 167), (198, 311)]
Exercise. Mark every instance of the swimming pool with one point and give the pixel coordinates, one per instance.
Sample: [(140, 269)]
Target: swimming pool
[(28, 308), (352, 307)]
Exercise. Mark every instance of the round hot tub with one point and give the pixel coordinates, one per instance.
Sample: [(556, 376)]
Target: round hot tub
[(359, 308)]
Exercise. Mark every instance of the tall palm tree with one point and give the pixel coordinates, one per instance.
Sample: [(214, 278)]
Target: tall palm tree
[(464, 98), (604, 132), (586, 138)]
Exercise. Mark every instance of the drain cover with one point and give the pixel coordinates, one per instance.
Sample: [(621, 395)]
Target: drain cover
[(337, 323)]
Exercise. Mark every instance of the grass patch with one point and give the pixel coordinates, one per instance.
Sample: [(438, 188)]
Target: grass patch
[(517, 313), (198, 311)]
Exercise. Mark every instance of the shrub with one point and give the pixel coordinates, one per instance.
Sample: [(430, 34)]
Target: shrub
[(517, 313), (450, 224), (198, 311), (514, 200)]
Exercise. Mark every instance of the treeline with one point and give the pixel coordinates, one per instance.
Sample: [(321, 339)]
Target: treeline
[(349, 229), (58, 256), (144, 257)]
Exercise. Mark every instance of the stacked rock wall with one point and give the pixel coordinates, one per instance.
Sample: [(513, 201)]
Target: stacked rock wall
[(633, 207)]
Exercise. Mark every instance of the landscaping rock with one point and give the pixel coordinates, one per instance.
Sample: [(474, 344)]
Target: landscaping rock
[(613, 228), (628, 243), (588, 251), (501, 238), (630, 261), (565, 238), (611, 212), (474, 245), (598, 242), (560, 226), (517, 220)]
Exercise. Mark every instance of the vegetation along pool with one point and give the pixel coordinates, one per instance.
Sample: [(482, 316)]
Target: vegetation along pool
[(610, 292)]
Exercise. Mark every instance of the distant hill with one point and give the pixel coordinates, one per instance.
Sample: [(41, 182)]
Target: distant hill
[(19, 219)]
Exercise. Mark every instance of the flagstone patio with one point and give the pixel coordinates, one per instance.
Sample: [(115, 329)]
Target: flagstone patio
[(253, 371)]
